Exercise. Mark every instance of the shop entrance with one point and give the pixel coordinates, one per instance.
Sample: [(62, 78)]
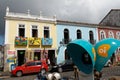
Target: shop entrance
[(21, 57), (51, 57), (37, 56)]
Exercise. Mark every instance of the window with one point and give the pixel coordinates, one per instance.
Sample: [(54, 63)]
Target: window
[(66, 36), (30, 64), (118, 35), (91, 36), (102, 35), (34, 31), (38, 63), (110, 34), (21, 30), (46, 32), (79, 34)]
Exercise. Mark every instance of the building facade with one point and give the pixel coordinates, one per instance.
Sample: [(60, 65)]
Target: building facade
[(68, 31), (29, 37), (109, 27)]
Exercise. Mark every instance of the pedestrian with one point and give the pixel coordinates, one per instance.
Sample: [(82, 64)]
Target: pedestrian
[(41, 76), (97, 75), (76, 74), (48, 62)]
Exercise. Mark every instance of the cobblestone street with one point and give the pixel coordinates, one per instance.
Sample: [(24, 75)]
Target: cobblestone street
[(107, 72)]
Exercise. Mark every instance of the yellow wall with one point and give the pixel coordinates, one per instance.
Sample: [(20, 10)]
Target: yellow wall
[(13, 25)]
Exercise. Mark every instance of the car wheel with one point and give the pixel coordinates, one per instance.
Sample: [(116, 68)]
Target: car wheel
[(60, 69), (19, 73), (43, 71)]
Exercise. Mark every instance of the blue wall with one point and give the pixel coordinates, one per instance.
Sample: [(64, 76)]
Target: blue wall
[(72, 32)]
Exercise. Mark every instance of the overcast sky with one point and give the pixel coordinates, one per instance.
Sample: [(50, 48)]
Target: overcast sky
[(88, 11)]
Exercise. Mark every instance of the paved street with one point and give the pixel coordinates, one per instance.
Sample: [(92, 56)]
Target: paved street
[(107, 72)]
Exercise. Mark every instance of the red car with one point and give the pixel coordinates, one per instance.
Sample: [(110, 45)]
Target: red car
[(30, 67)]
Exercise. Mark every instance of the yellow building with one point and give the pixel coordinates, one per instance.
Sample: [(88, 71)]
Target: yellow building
[(29, 37)]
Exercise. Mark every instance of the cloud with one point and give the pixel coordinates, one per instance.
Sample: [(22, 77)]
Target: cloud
[(89, 11)]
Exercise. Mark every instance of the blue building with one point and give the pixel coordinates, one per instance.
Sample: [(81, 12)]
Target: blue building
[(68, 31)]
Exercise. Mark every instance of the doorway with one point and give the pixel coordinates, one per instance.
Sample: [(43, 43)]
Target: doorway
[(37, 56), (51, 57), (21, 57)]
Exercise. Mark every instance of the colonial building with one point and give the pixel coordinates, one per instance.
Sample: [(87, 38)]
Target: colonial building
[(68, 31), (29, 37), (109, 27)]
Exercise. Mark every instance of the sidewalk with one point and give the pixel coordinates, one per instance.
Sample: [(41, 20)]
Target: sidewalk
[(4, 74), (114, 78)]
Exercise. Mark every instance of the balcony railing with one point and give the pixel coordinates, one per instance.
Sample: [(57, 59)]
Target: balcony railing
[(47, 41), (34, 41), (21, 41), (66, 41), (93, 42)]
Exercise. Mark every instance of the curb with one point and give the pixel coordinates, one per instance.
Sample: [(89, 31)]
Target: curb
[(114, 78), (4, 74), (3, 77)]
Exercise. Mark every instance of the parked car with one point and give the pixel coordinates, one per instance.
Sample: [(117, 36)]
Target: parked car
[(30, 67), (67, 65)]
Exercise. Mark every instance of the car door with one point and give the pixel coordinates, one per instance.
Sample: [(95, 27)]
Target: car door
[(38, 66), (67, 66), (64, 66), (30, 67)]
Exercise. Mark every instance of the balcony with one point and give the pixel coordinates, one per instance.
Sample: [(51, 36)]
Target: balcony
[(66, 41), (34, 41), (20, 41), (93, 42), (47, 41)]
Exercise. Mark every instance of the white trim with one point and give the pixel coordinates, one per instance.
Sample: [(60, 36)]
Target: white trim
[(24, 28), (17, 29), (96, 37), (47, 29), (25, 31), (118, 35), (20, 49), (48, 49), (103, 34), (110, 34), (50, 32), (30, 17), (6, 31), (38, 32), (30, 30), (16, 49)]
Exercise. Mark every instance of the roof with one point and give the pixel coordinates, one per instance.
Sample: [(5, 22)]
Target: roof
[(111, 19), (72, 23)]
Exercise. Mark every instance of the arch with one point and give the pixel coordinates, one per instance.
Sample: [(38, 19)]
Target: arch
[(102, 34), (91, 35), (118, 35), (79, 34), (110, 34), (66, 36)]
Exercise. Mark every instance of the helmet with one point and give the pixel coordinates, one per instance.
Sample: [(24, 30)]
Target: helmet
[(57, 76), (49, 76)]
